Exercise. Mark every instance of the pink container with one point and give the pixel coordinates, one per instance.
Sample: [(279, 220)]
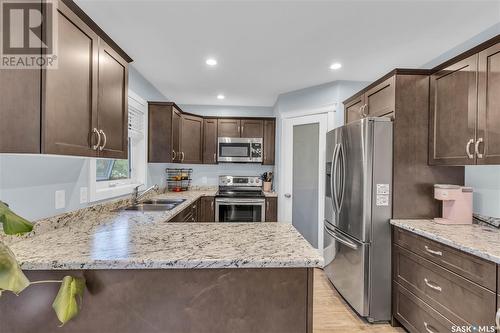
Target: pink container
[(457, 204)]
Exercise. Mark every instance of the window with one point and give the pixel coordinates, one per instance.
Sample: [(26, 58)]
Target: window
[(112, 178)]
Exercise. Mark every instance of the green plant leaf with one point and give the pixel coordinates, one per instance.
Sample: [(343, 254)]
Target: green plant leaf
[(12, 277), (65, 304), (13, 224)]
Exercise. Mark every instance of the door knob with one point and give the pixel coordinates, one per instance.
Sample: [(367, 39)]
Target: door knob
[(288, 195)]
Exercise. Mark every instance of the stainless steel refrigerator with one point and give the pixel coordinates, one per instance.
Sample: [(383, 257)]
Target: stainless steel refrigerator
[(358, 208)]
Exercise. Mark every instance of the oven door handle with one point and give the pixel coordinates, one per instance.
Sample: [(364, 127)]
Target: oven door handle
[(241, 201)]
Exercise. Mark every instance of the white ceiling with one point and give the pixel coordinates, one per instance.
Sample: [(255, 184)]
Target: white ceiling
[(265, 48)]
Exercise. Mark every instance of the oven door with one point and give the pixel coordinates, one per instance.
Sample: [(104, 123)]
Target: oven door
[(240, 210)]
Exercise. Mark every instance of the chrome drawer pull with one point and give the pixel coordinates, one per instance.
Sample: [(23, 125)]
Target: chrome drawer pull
[(428, 328), (476, 149), (438, 253), (467, 149), (433, 286)]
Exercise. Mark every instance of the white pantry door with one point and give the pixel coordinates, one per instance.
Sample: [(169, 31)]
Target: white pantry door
[(302, 175)]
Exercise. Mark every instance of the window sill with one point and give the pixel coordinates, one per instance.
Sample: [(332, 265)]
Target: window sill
[(112, 192)]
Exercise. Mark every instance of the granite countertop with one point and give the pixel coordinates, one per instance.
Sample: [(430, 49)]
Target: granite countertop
[(479, 240), (107, 239)]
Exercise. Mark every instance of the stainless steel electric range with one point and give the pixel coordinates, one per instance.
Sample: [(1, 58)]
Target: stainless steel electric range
[(240, 199)]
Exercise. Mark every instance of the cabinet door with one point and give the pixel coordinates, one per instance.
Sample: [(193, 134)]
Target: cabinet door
[(69, 93), (207, 210), (380, 100), (353, 109), (210, 141), (488, 135), (191, 139), (112, 104), (228, 128), (252, 128), (160, 133), (271, 209), (453, 106), (269, 142), (176, 135), (20, 111)]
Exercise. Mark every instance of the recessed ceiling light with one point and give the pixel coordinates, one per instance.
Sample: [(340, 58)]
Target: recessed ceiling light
[(335, 65), (211, 62), (220, 96)]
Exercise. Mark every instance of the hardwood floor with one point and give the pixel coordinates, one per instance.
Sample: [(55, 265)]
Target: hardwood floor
[(331, 314)]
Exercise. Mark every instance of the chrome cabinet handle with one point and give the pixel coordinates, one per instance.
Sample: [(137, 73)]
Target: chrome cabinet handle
[(212, 204), (360, 111), (174, 155), (438, 253), (432, 286), (182, 158), (101, 148), (428, 328), (467, 149), (215, 157), (364, 108), (497, 318), (476, 148), (96, 146)]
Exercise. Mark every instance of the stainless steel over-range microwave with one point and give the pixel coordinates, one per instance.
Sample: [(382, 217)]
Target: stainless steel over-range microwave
[(247, 150)]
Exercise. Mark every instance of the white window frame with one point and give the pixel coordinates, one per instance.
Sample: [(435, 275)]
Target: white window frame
[(115, 188)]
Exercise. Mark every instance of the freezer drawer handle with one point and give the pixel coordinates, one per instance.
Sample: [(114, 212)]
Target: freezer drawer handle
[(438, 253), (432, 286), (428, 328), (342, 240)]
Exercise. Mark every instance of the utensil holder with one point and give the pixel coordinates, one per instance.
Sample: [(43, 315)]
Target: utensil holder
[(266, 187)]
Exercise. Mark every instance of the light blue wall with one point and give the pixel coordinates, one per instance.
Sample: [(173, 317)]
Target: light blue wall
[(28, 182), (484, 179)]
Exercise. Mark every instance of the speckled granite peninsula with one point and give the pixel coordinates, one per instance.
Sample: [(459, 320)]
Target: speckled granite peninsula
[(479, 240), (165, 277)]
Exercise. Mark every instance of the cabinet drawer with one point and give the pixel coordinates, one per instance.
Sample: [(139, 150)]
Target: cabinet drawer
[(416, 315), (473, 268), (455, 297)]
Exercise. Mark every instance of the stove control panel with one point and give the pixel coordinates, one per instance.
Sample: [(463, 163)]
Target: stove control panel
[(239, 181)]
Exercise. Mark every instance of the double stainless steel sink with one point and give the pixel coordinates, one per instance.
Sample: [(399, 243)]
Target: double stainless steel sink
[(155, 205)]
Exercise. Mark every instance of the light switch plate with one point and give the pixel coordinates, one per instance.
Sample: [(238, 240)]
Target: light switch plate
[(83, 194), (60, 199)]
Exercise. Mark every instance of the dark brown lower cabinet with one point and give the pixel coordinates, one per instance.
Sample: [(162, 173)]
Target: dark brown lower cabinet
[(433, 289), (232, 300), (206, 209), (271, 209), (189, 214)]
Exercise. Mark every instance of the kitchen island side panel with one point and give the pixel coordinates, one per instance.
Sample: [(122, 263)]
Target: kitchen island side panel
[(174, 300)]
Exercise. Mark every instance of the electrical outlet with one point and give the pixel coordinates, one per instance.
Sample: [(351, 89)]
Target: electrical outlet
[(83, 194), (60, 199)]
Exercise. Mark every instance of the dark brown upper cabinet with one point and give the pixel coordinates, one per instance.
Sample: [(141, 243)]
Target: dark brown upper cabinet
[(191, 141), (487, 145), (453, 109), (380, 100), (20, 111), (176, 135), (229, 127), (78, 108), (252, 128), (210, 141), (376, 101), (112, 103), (353, 109), (269, 141), (69, 93)]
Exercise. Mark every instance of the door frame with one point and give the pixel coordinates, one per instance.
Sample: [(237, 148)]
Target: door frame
[(325, 117)]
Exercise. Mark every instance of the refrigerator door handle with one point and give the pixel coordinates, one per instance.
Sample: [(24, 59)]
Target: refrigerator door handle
[(341, 239), (342, 173), (333, 181)]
